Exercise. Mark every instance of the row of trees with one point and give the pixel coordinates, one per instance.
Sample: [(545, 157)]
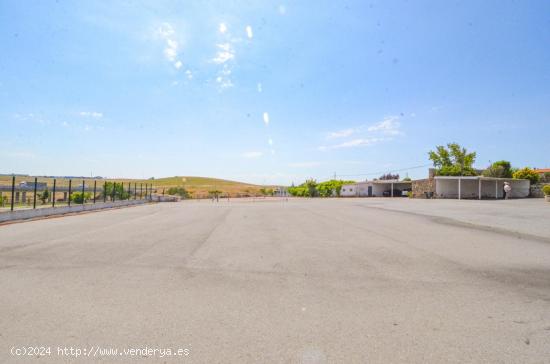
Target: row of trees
[(311, 188), (454, 160)]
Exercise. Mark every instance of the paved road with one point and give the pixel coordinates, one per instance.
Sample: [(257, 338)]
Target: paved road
[(304, 281)]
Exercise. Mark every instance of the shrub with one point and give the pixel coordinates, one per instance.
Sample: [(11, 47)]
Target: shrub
[(179, 191), (43, 197), (527, 173), (79, 197), (546, 190)]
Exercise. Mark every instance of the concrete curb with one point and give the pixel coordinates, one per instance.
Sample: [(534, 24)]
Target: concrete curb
[(55, 211)]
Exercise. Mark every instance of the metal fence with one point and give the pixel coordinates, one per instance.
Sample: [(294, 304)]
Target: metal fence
[(21, 192)]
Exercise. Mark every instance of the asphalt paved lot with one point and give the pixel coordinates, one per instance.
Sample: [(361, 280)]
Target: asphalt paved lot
[(304, 281)]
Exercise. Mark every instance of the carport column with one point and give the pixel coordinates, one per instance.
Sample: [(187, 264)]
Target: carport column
[(459, 187), (392, 190), (479, 188)]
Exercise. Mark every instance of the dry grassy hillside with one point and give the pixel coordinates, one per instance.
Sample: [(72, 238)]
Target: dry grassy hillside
[(197, 186)]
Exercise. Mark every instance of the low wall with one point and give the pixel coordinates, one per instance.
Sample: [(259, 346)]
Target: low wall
[(51, 211), (422, 186)]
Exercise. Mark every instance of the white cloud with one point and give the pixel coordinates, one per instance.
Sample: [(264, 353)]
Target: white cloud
[(266, 118), (225, 53), (270, 141), (282, 9), (223, 79), (361, 142), (249, 31), (304, 164), (91, 114), (389, 126), (23, 154), (341, 133), (259, 87), (222, 28), (189, 74), (171, 51), (252, 155)]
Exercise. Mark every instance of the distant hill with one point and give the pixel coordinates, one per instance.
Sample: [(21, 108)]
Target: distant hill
[(198, 186)]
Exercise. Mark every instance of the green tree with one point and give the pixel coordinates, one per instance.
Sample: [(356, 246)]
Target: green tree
[(527, 173), (453, 160), (500, 169)]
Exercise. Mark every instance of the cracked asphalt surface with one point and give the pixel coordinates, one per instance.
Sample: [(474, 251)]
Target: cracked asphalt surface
[(302, 281)]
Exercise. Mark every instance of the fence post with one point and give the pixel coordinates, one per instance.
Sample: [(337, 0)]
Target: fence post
[(53, 194), (83, 199), (104, 191), (113, 196), (135, 191), (140, 191), (95, 185), (70, 188), (34, 198), (12, 192)]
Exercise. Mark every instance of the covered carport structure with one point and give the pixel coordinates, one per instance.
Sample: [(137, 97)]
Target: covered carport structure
[(390, 188), (478, 187)]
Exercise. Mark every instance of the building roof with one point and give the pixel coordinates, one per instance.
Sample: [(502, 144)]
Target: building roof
[(542, 170), (388, 181), (480, 177)]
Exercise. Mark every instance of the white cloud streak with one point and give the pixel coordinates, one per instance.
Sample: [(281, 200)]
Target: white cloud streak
[(304, 164), (249, 32), (266, 118), (225, 53), (389, 126), (341, 133), (354, 143), (171, 51), (91, 114), (252, 155)]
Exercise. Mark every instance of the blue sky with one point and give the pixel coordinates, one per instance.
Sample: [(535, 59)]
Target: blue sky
[(270, 92)]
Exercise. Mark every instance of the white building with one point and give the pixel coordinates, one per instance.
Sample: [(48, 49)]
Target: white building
[(378, 188), (349, 190)]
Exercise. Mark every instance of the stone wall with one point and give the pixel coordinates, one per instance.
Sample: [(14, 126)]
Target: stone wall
[(421, 187), (536, 190)]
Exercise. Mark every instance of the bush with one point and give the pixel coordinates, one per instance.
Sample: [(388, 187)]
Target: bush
[(116, 189), (80, 198), (178, 191), (43, 197), (546, 190), (527, 173)]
